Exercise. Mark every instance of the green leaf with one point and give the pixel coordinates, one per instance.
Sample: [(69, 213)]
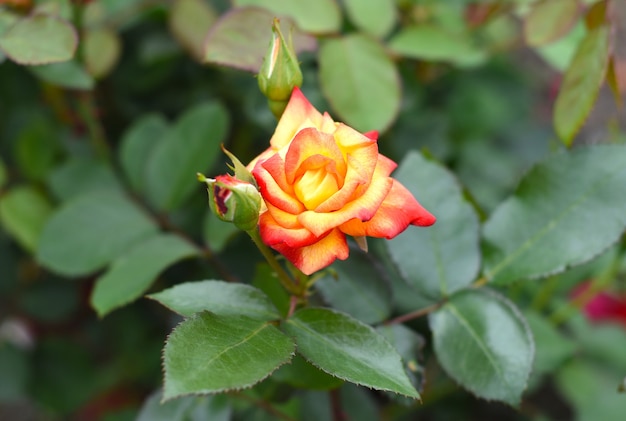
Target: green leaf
[(190, 21), (360, 81), (581, 84), (192, 146), (137, 143), (549, 20), (552, 348), (358, 289), (320, 16), (209, 353), (444, 258), (101, 49), (79, 176), (68, 74), (482, 342), (39, 39), (602, 342), (23, 213), (37, 149), (265, 280), (566, 211), (3, 174), (16, 374), (559, 54), (374, 17), (89, 232), (434, 43), (346, 348), (219, 297), (592, 391), (217, 233), (240, 38), (301, 374), (131, 274), (188, 408)]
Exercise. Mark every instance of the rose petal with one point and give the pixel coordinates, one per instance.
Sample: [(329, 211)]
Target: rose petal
[(299, 114), (270, 177), (274, 234), (395, 214), (310, 143), (311, 258), (363, 208)]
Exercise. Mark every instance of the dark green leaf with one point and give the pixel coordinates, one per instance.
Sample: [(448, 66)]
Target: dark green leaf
[(358, 403), (566, 211), (301, 374), (320, 16), (137, 143), (89, 232), (360, 81), (3, 174), (16, 371), (348, 349), (192, 146), (375, 17), (265, 279), (240, 38), (217, 233), (23, 213), (358, 289), (219, 297), (188, 408), (37, 149), (209, 353), (482, 342), (581, 84), (68, 74), (438, 260), (434, 43), (39, 39), (131, 274), (79, 176)]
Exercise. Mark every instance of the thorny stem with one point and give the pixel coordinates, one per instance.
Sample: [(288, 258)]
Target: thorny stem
[(415, 314), (283, 276)]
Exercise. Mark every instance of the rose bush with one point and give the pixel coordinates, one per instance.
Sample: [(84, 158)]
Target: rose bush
[(322, 180)]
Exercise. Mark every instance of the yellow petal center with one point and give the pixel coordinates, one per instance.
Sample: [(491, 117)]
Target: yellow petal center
[(315, 186)]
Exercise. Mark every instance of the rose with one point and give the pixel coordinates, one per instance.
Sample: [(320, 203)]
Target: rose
[(320, 181)]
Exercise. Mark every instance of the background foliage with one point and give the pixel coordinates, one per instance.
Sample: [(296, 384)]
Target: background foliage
[(505, 117)]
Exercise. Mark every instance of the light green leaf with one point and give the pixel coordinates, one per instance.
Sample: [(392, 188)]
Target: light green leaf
[(39, 39), (131, 274), (23, 213), (318, 17), (581, 84), (137, 143), (190, 21), (566, 211), (209, 353), (240, 38), (482, 342), (559, 54), (192, 146), (68, 74), (346, 348), (89, 232), (438, 260), (79, 176), (374, 17), (592, 391), (219, 297), (434, 43), (549, 20), (360, 81), (102, 48), (358, 289)]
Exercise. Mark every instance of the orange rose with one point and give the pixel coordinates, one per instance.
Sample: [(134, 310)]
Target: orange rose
[(320, 181)]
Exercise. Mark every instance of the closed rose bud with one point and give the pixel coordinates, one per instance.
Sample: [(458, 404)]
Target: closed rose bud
[(280, 72), (233, 200)]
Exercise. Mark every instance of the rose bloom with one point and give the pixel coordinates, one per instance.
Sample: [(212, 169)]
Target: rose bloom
[(322, 180)]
